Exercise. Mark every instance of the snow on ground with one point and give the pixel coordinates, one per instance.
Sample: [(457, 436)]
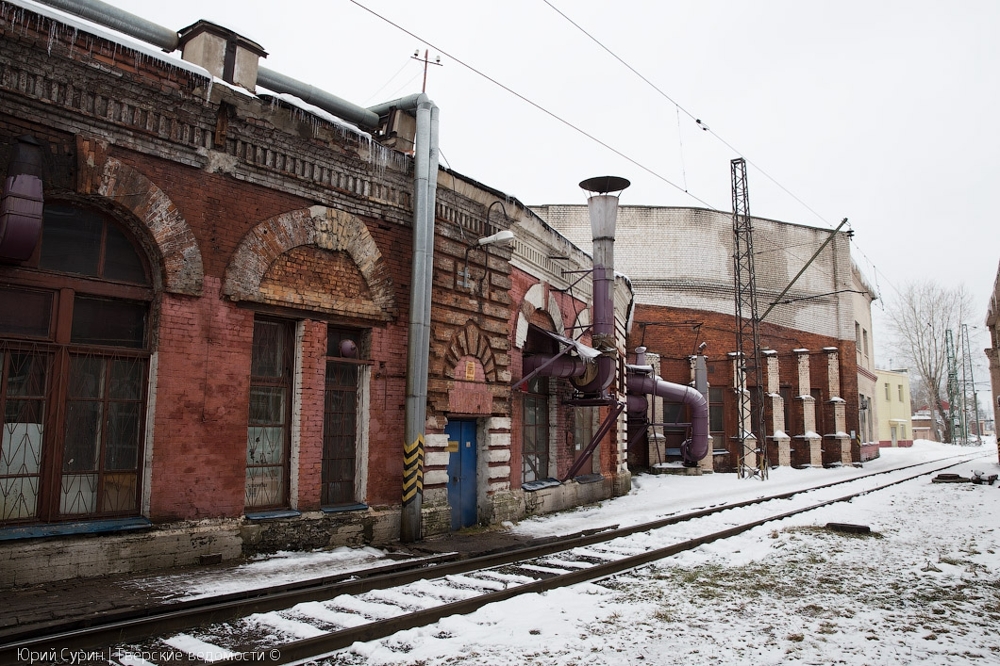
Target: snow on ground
[(276, 569), (923, 588)]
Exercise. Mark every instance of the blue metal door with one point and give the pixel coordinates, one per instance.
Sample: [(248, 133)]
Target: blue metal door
[(462, 473)]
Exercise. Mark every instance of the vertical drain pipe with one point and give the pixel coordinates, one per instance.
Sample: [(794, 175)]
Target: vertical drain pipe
[(419, 332)]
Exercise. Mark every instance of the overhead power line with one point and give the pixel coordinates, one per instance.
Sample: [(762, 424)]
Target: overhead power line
[(541, 108), (701, 124), (585, 133)]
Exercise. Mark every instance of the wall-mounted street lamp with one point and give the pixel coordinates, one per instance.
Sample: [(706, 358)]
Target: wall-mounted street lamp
[(499, 238), (504, 237)]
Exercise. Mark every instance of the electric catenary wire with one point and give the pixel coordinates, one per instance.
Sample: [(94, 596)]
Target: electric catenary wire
[(706, 128), (539, 107), (578, 129), (697, 120)]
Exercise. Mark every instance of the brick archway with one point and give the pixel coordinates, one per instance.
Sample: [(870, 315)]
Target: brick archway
[(126, 186), (320, 227), (534, 300), (472, 341)]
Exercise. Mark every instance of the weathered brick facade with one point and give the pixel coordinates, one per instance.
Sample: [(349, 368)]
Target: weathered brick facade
[(246, 209)]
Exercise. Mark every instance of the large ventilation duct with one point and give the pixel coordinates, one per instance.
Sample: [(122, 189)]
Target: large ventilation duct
[(639, 385), (593, 370), (21, 201)]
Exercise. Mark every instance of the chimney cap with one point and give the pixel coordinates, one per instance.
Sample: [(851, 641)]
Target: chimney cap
[(605, 184), (187, 34)]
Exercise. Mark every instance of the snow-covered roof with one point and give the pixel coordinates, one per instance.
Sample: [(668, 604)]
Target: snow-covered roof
[(76, 23)]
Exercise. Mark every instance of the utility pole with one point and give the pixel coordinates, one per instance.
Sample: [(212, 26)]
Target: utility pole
[(752, 435), (426, 60)]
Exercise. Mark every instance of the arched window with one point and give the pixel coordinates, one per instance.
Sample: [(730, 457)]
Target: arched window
[(74, 357)]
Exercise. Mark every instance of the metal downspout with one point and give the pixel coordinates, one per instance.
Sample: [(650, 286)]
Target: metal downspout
[(419, 333)]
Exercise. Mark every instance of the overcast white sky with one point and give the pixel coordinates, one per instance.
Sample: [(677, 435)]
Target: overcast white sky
[(882, 112)]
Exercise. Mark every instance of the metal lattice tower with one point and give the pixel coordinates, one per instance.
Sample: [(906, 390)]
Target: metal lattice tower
[(954, 424), (970, 401), (753, 443)]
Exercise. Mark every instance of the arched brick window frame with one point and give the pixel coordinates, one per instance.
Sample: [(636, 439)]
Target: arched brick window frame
[(534, 300), (171, 236), (318, 226)]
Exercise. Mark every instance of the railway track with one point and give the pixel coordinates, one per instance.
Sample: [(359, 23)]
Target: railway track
[(299, 621)]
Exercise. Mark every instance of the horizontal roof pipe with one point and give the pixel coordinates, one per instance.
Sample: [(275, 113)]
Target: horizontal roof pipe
[(117, 19), (135, 26), (311, 95)]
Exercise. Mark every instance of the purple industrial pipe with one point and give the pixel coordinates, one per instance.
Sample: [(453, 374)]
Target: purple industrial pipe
[(564, 366), (697, 447), (21, 201)]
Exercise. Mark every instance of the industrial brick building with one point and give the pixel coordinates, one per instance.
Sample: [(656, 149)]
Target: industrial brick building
[(214, 293), (210, 302), (817, 364)]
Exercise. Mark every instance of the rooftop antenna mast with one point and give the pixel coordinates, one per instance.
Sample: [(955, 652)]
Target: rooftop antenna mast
[(749, 372), (427, 61)]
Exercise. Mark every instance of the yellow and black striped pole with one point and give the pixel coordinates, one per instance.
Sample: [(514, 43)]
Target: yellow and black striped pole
[(413, 471)]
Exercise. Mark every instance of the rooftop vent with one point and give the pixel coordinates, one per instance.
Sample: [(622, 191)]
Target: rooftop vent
[(226, 55)]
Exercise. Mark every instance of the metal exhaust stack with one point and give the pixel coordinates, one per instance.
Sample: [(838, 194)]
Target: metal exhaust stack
[(603, 209)]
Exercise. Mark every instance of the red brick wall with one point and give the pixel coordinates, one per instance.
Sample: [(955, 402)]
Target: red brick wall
[(202, 392), (219, 208), (388, 402), (675, 334), (312, 350)]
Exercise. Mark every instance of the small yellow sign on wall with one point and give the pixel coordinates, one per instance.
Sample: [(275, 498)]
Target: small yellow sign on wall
[(470, 371), (452, 446)]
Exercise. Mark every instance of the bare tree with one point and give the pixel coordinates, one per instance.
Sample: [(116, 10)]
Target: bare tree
[(918, 321)]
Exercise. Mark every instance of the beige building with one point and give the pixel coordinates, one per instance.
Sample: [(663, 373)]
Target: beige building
[(862, 297), (892, 407)]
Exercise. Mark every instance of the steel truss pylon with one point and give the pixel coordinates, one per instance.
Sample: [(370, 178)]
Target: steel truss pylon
[(749, 376), (970, 399), (955, 431)]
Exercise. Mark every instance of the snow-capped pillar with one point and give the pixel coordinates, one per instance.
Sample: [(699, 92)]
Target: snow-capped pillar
[(810, 439), (744, 421), (699, 379), (777, 404), (841, 440)]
